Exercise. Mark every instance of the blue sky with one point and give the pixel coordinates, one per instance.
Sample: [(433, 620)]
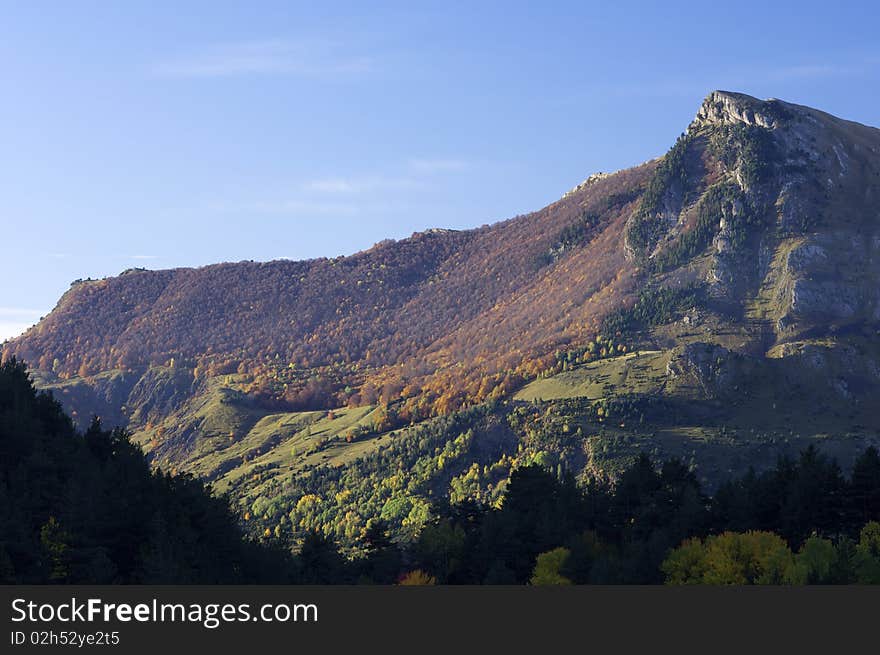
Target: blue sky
[(184, 133)]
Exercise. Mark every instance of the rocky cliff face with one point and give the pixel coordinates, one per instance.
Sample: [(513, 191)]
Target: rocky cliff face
[(727, 108), (787, 204), (715, 370)]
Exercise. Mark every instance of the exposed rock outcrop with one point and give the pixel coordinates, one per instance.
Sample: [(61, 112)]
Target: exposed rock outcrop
[(712, 368), (727, 108)]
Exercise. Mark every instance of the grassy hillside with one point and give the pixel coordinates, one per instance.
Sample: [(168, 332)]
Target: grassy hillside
[(291, 472), (636, 372)]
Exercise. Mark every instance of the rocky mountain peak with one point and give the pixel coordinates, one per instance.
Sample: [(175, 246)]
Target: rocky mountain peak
[(729, 108)]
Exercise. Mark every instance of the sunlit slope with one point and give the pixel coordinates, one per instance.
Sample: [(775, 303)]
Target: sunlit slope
[(719, 304)]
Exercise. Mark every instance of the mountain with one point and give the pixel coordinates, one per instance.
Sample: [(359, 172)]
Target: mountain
[(720, 304), (395, 314)]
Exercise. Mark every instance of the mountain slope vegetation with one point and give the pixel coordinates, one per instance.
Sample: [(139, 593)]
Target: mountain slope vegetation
[(718, 305), (84, 508)]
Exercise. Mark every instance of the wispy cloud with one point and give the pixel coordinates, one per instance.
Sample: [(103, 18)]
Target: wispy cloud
[(346, 196), (9, 330), (413, 176), (15, 320), (811, 72), (6, 312), (365, 184), (299, 209), (304, 57), (439, 165), (290, 207)]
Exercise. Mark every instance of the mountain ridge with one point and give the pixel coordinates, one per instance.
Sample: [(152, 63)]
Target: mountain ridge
[(718, 304), (157, 292), (147, 318)]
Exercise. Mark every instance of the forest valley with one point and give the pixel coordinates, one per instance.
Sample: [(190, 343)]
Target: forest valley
[(86, 508)]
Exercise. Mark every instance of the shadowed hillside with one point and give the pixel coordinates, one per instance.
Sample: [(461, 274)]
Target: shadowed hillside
[(85, 508)]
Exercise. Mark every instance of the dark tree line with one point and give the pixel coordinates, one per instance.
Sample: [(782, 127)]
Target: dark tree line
[(85, 507), (622, 534)]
